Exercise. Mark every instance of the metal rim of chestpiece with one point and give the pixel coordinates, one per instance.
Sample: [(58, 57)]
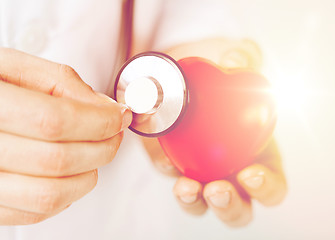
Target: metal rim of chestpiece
[(153, 86)]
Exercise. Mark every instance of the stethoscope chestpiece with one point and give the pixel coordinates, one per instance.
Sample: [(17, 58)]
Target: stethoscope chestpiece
[(153, 86)]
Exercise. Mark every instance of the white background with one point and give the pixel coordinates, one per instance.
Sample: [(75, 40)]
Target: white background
[(133, 201)]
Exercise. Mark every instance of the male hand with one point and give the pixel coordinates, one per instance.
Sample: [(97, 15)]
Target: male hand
[(264, 180), (55, 131)]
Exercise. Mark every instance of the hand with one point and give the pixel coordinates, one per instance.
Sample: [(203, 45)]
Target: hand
[(230, 199), (55, 131)]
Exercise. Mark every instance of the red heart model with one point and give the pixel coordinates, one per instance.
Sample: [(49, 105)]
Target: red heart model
[(229, 119)]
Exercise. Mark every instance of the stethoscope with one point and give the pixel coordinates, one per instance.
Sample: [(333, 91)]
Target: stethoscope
[(211, 124), (153, 86)]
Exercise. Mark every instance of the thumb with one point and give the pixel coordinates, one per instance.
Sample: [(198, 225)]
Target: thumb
[(41, 75)]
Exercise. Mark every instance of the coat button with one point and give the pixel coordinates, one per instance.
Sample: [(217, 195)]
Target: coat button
[(33, 39)]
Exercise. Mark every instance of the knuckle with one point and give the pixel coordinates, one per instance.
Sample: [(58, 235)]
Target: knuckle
[(51, 123), (48, 199), (67, 71), (56, 160)]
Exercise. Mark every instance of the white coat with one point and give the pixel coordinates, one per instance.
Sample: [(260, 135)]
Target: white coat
[(132, 200)]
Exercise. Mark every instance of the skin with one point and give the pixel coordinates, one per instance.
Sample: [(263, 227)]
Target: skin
[(48, 160), (263, 181), (55, 131)]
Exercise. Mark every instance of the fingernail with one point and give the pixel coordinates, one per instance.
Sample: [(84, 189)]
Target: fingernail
[(127, 118), (254, 182), (188, 199), (220, 200), (165, 166), (163, 163)]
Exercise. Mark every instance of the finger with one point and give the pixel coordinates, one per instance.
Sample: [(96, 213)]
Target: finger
[(33, 157), (11, 216), (153, 147), (227, 204), (270, 157), (43, 195), (227, 53), (38, 74), (189, 196), (242, 54), (268, 187), (58, 119), (158, 157)]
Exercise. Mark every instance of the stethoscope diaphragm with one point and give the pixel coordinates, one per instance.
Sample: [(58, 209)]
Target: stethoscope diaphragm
[(153, 86)]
